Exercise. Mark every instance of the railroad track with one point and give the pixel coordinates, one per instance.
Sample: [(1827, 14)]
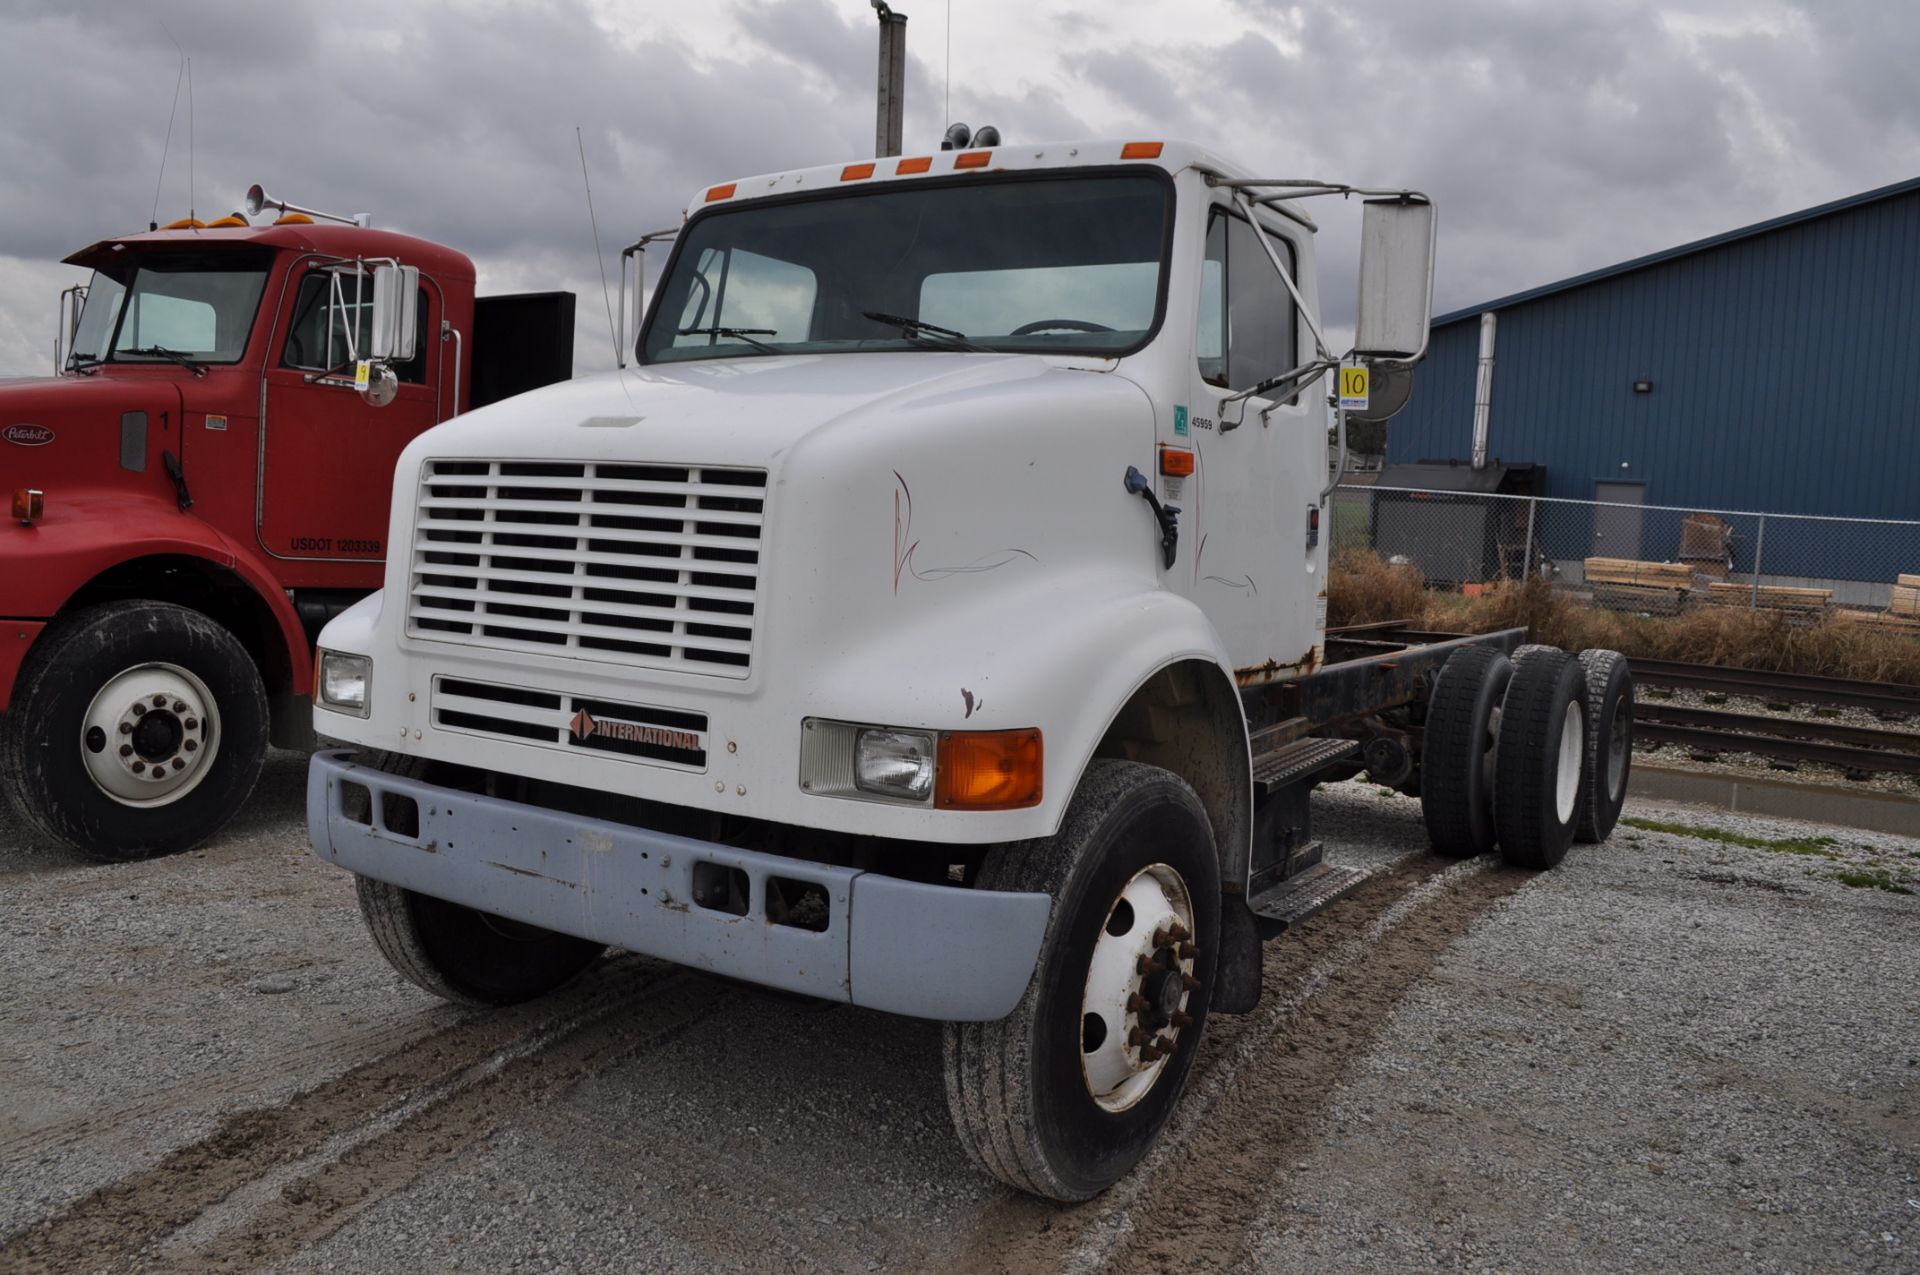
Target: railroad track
[(1889, 698)]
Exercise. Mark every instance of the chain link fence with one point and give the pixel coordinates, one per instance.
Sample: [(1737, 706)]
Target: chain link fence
[(1657, 559)]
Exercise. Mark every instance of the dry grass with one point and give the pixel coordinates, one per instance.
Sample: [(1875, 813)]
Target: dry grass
[(1364, 589)]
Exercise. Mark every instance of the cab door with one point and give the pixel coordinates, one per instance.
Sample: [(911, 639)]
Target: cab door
[(1257, 464), (327, 455)]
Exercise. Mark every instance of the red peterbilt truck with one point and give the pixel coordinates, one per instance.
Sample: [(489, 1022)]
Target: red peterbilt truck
[(202, 484)]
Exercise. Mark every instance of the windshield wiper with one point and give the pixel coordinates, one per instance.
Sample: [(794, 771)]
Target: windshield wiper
[(738, 334), (84, 366), (915, 330), (161, 351)]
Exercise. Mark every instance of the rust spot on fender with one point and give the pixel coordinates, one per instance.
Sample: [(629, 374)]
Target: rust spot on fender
[(1276, 671)]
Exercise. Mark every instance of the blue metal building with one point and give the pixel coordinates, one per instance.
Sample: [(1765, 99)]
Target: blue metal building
[(1774, 368)]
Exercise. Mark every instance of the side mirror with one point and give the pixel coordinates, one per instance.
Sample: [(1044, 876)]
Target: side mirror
[(396, 293), (1396, 280), (376, 382)]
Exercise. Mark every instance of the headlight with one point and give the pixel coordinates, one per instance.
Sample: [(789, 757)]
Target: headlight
[(343, 682), (894, 763)]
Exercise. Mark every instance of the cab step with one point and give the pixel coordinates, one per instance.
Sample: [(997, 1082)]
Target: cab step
[(1302, 895), (1293, 762)]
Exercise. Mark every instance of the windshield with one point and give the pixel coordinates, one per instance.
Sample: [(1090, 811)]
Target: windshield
[(187, 307), (1052, 264)]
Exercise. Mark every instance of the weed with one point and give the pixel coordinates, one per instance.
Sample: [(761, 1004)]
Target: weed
[(1872, 879), (1363, 588), (1815, 846)]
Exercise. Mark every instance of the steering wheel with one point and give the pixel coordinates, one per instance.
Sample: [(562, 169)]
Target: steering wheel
[(1071, 325)]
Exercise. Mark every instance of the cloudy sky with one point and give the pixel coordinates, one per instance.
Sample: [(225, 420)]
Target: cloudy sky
[(1555, 136)]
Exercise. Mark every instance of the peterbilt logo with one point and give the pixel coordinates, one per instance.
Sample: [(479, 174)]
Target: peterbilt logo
[(27, 435), (585, 726)]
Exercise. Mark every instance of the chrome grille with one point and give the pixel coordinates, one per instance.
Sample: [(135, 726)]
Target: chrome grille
[(653, 565)]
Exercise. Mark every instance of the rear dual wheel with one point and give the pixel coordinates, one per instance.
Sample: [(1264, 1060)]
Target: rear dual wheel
[(1066, 1094)]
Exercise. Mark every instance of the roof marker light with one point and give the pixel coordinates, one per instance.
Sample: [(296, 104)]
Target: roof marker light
[(1141, 150), (721, 192), (972, 159), (918, 164), (185, 223), (856, 172), (293, 219), (231, 219)]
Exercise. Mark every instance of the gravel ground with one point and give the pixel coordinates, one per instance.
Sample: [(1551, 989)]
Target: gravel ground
[(1674, 1053)]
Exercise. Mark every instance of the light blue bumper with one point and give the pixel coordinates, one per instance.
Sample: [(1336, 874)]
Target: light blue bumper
[(931, 951)]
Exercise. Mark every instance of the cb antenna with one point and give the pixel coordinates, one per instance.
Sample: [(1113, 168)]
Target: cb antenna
[(605, 297), (153, 221)]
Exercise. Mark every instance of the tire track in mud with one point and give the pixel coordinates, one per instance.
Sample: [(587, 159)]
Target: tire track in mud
[(1252, 1104), (269, 1180)]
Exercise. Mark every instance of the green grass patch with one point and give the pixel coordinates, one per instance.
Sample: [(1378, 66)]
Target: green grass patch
[(1873, 879), (1815, 846)]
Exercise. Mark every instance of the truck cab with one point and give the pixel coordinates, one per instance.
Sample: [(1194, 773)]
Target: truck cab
[(194, 492), (933, 617)]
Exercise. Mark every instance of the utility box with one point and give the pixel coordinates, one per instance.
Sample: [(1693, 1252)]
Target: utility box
[(1449, 529)]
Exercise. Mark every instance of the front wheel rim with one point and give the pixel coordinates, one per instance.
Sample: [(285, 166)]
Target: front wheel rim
[(1140, 981), (150, 735)]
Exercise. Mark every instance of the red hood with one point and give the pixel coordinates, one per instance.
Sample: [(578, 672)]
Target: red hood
[(59, 433)]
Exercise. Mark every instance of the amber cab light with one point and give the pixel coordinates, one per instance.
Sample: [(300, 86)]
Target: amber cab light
[(973, 159), (856, 172), (914, 164), (989, 770), (1176, 462), (29, 504), (1141, 150), (721, 192)]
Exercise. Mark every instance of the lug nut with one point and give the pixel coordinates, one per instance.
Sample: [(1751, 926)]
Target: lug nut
[(126, 728), (126, 750), (191, 744), (179, 706), (1137, 1037), (1145, 965), (1189, 982), (139, 709), (179, 764), (1188, 951), (1138, 1003), (1180, 932), (159, 701), (139, 767), (193, 723), (1149, 1054), (1181, 1018)]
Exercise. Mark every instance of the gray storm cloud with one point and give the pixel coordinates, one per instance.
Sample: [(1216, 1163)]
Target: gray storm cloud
[(1555, 137)]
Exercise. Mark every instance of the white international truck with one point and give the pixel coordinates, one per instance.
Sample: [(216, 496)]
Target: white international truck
[(932, 618)]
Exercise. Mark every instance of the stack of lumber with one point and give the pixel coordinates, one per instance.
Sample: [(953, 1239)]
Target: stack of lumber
[(1629, 585), (1906, 596), (1880, 620), (1773, 597)]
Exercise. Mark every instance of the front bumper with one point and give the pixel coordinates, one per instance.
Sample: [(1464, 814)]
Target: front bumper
[(929, 951)]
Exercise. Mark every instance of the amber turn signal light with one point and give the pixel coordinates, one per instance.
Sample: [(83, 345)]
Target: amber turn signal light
[(989, 770), (1176, 462), (29, 504), (1140, 150), (721, 192)]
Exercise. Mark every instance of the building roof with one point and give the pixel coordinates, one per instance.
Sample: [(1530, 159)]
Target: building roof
[(1683, 250)]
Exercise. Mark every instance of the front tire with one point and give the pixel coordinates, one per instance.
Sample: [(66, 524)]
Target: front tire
[(1065, 1095), (138, 729), (459, 953)]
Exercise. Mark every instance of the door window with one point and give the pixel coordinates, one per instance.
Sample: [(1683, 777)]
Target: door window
[(317, 339), (1249, 327)]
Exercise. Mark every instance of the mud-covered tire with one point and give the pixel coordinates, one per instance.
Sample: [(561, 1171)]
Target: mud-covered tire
[(64, 685), (1609, 761), (1021, 1102), (1527, 650), (456, 952), (1540, 760), (1456, 766)]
